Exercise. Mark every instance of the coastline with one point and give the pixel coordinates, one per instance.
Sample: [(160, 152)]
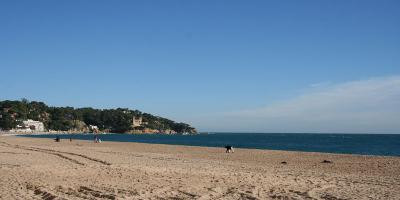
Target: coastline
[(188, 146), (5, 133), (336, 144), (218, 148), (80, 132), (32, 168)]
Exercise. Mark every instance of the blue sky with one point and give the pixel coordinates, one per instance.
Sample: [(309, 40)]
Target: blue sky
[(203, 62)]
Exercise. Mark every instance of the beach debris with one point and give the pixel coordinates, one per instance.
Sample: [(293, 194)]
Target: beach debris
[(284, 162), (327, 161)]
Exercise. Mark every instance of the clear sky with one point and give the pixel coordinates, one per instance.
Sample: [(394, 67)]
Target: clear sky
[(265, 66)]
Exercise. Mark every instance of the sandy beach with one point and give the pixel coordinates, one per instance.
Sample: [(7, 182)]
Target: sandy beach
[(43, 169)]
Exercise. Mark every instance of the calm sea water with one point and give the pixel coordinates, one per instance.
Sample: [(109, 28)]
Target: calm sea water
[(365, 144)]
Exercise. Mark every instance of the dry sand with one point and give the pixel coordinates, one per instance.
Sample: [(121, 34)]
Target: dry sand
[(43, 169)]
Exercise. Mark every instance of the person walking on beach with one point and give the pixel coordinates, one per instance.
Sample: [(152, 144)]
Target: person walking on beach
[(96, 137), (229, 149)]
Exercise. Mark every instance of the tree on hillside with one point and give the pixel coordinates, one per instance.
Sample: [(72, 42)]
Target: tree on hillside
[(6, 121)]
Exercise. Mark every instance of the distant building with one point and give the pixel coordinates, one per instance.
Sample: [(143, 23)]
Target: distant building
[(29, 126), (33, 125), (21, 129), (138, 121), (93, 128)]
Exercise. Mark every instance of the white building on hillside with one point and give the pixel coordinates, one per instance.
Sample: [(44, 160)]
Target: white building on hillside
[(138, 121), (33, 125), (93, 128)]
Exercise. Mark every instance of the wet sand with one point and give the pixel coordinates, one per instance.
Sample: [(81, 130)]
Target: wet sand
[(43, 169)]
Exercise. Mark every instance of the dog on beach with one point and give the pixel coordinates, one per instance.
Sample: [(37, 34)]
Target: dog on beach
[(229, 149)]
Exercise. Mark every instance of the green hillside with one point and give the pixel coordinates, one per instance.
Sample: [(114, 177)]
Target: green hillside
[(118, 120)]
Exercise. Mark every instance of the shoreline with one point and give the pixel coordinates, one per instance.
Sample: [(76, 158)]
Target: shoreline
[(38, 133), (79, 132), (83, 169), (197, 145), (214, 148)]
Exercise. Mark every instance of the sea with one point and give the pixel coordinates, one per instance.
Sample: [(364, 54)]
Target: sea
[(362, 144)]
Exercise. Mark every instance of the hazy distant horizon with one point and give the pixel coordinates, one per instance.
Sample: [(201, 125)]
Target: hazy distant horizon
[(260, 66)]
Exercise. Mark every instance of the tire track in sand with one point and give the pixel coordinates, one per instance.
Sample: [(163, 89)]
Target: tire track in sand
[(58, 153)]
